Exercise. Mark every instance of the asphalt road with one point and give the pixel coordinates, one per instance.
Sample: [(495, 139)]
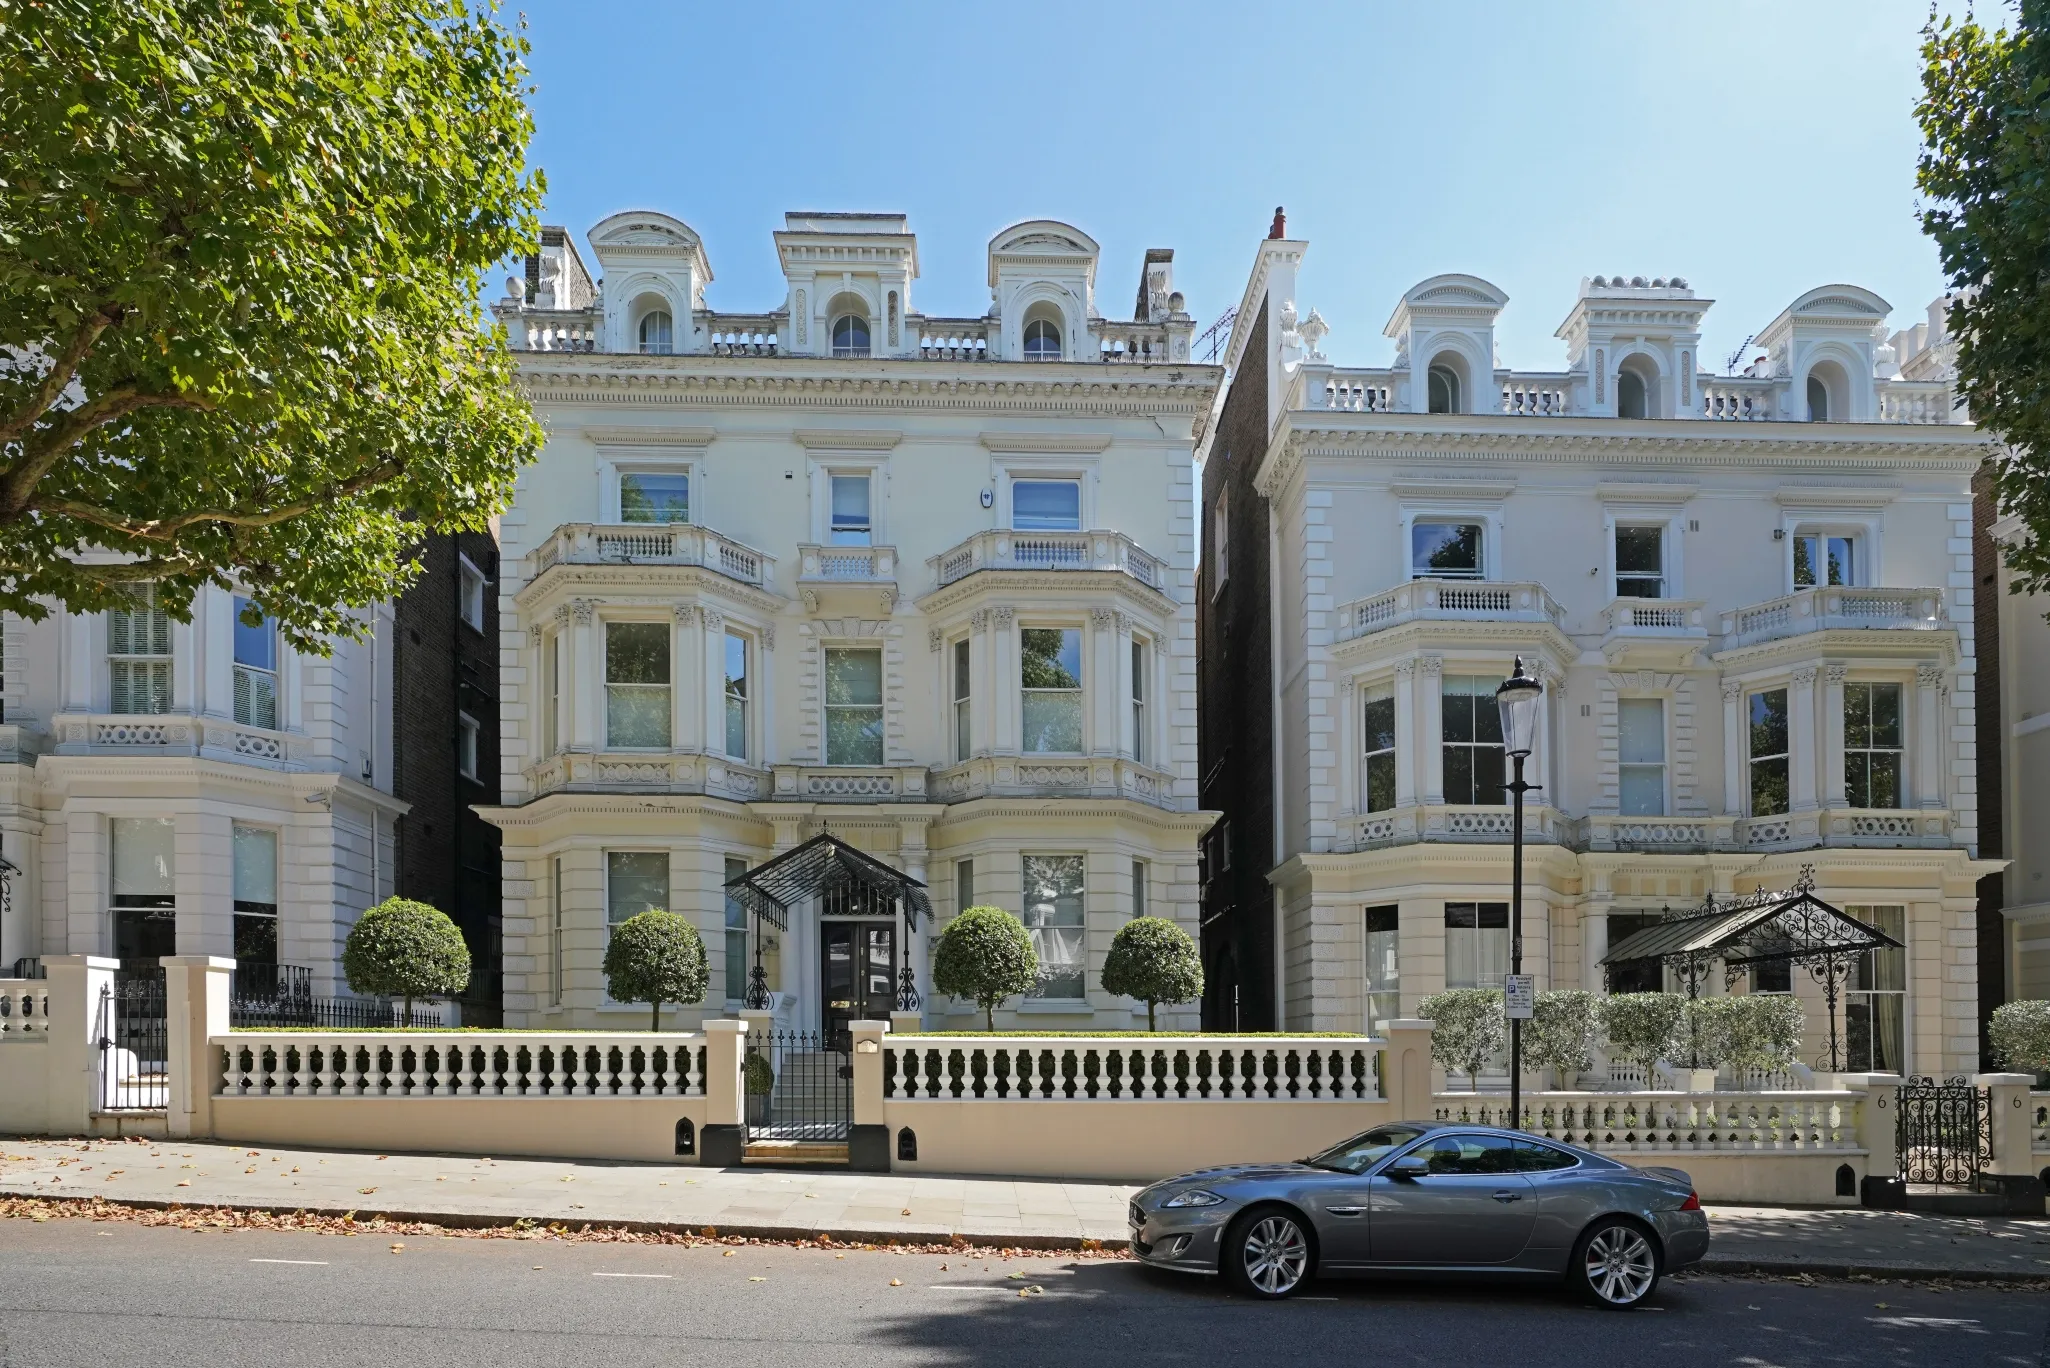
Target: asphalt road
[(73, 1292)]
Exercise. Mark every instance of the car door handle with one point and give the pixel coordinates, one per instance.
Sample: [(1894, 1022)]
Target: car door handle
[(1508, 1196), (1345, 1211)]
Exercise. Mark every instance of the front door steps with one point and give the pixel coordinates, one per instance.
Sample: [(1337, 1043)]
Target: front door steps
[(795, 1152)]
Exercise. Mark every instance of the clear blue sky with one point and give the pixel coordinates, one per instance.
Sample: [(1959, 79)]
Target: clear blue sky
[(1757, 149)]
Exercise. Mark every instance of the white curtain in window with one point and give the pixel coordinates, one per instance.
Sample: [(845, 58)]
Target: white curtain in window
[(256, 866), (1054, 917), (144, 855), (1641, 723)]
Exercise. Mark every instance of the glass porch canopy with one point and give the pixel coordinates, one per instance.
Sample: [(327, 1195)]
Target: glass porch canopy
[(851, 883), (1790, 926)]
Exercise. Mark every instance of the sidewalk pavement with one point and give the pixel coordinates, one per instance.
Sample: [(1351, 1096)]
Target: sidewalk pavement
[(792, 1204)]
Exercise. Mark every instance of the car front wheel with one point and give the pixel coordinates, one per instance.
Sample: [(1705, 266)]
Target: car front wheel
[(1615, 1264), (1268, 1254)]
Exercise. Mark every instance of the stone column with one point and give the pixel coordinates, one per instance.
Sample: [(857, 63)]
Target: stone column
[(1878, 1118), (868, 1137), (686, 718), (1929, 738), (213, 639), (2013, 1167), (1100, 680), (80, 677), (195, 1011), (1431, 729), (73, 1071), (1832, 732), (587, 675), (1003, 693), (1801, 742), (1406, 739), (724, 1134), (1734, 749), (982, 694), (204, 883), (1406, 1072), (711, 681)]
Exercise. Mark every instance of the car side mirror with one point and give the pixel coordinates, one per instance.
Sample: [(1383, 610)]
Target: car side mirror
[(1406, 1168)]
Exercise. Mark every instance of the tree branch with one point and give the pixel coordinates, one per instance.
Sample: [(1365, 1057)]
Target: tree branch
[(19, 483), (66, 365), (167, 529)]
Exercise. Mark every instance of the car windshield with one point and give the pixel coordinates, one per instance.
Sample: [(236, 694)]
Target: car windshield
[(1359, 1153)]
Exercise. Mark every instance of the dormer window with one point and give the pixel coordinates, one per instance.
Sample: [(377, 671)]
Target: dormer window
[(1444, 390), (1630, 395), (1818, 400), (657, 333), (1042, 341), (850, 335)]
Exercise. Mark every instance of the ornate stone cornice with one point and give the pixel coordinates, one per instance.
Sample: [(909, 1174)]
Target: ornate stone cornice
[(1068, 584), (643, 584)]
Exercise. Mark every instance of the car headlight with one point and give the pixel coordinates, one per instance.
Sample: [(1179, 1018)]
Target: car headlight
[(1194, 1197)]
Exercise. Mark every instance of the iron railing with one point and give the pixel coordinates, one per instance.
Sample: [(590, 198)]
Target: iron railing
[(1943, 1132), (134, 1046), (330, 1014), (799, 1086)]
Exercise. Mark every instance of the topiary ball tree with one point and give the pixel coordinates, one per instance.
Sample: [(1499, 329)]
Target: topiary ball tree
[(2020, 1035), (656, 957), (1155, 961), (405, 949), (985, 955)]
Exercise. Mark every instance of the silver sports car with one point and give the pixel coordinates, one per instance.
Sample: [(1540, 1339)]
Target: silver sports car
[(1420, 1197)]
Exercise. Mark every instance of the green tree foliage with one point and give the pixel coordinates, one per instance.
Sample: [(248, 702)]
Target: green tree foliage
[(1564, 1030), (1155, 961), (656, 957), (1468, 1028), (406, 949), (1985, 118), (985, 955), (1766, 1032), (2020, 1035), (1709, 1027), (241, 244), (1643, 1028)]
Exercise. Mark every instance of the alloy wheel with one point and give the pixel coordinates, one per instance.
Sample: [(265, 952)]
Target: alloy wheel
[(1277, 1255), (1620, 1265)]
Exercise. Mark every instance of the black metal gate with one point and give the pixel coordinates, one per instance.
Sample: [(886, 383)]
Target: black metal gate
[(799, 1085), (1943, 1132), (134, 1041)]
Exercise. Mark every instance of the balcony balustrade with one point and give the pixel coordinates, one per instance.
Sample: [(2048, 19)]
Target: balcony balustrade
[(1002, 550), (1832, 608), (1448, 600), (653, 544), (829, 574)]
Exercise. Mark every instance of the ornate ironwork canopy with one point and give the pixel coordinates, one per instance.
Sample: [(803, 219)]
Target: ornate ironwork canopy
[(827, 867)]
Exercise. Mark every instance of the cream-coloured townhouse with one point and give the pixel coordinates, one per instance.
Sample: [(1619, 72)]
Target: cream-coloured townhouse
[(1748, 592), (838, 567)]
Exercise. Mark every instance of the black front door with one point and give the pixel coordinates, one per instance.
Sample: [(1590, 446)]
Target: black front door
[(858, 972)]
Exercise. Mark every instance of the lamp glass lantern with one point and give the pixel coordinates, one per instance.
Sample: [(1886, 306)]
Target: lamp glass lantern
[(1517, 698)]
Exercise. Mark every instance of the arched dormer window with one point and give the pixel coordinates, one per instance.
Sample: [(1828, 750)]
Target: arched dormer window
[(1829, 393), (1042, 340), (1818, 400), (850, 335), (1630, 395), (1444, 390), (657, 333)]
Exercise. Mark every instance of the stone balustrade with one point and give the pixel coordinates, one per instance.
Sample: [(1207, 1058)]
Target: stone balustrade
[(1008, 550), (1132, 1068), (430, 1064), (653, 544), (952, 339), (1450, 600), (1835, 607), (1675, 1123), (24, 1011)]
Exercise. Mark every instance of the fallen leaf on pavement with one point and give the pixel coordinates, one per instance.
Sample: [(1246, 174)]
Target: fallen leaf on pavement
[(757, 1279), (366, 1191), (896, 1282)]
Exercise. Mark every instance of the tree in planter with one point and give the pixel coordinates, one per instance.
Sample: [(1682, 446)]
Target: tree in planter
[(1709, 1027), (1564, 1030), (1155, 961), (1766, 1034), (241, 251), (985, 955), (1468, 1028), (405, 949), (2020, 1036), (1643, 1027), (656, 957)]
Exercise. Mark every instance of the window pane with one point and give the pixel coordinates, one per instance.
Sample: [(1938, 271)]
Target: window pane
[(143, 856), (854, 677), (256, 646), (637, 717), (1053, 722), (256, 867), (1050, 658), (851, 522), (1643, 790), (645, 498), (1046, 505), (1807, 552), (635, 882), (1768, 787), (1053, 914), (1438, 548), (1840, 561), (1638, 551), (850, 336), (964, 885), (1769, 723), (1380, 724), (854, 736), (1884, 710), (636, 653), (1641, 724), (1381, 782), (736, 934)]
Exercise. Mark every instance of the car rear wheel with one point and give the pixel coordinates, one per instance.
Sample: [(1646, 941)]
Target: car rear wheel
[(1268, 1253), (1615, 1264)]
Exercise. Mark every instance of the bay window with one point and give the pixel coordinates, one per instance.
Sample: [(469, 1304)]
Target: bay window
[(1377, 765), (256, 668), (1139, 747), (736, 933), (1384, 976), (256, 907), (1768, 753), (145, 908), (1054, 918), (1472, 740), (1875, 1008), (637, 701), (636, 881), (1476, 944), (964, 740), (736, 695), (139, 655), (854, 707), (1050, 678)]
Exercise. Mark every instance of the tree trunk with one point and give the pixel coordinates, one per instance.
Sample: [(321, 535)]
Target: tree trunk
[(989, 1017), (658, 1016), (1150, 1027), (407, 1019)]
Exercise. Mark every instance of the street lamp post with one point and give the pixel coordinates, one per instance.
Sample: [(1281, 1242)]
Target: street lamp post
[(1517, 699)]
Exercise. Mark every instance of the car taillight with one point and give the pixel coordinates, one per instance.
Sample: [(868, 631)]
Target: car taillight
[(1693, 1202)]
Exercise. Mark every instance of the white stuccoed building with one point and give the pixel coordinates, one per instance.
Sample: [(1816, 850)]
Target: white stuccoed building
[(1749, 597), (925, 584)]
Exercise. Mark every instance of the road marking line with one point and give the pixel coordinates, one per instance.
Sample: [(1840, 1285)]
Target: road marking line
[(320, 1262), (633, 1275)]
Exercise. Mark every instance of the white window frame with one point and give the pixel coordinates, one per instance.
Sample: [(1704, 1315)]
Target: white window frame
[(1012, 468), (1081, 691), (1381, 690), (868, 321), (1750, 788), (1670, 524), (1057, 325), (606, 684), (1490, 521), (1905, 784), (647, 316), (1374, 985), (165, 660), (1862, 532), (469, 746), (614, 462), (551, 692), (749, 661), (470, 605), (1036, 994), (1220, 543), (1665, 762), (823, 469), (1141, 700), (1852, 993), (961, 693), (1481, 978), (605, 903), (255, 672), (735, 936), (881, 705)]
